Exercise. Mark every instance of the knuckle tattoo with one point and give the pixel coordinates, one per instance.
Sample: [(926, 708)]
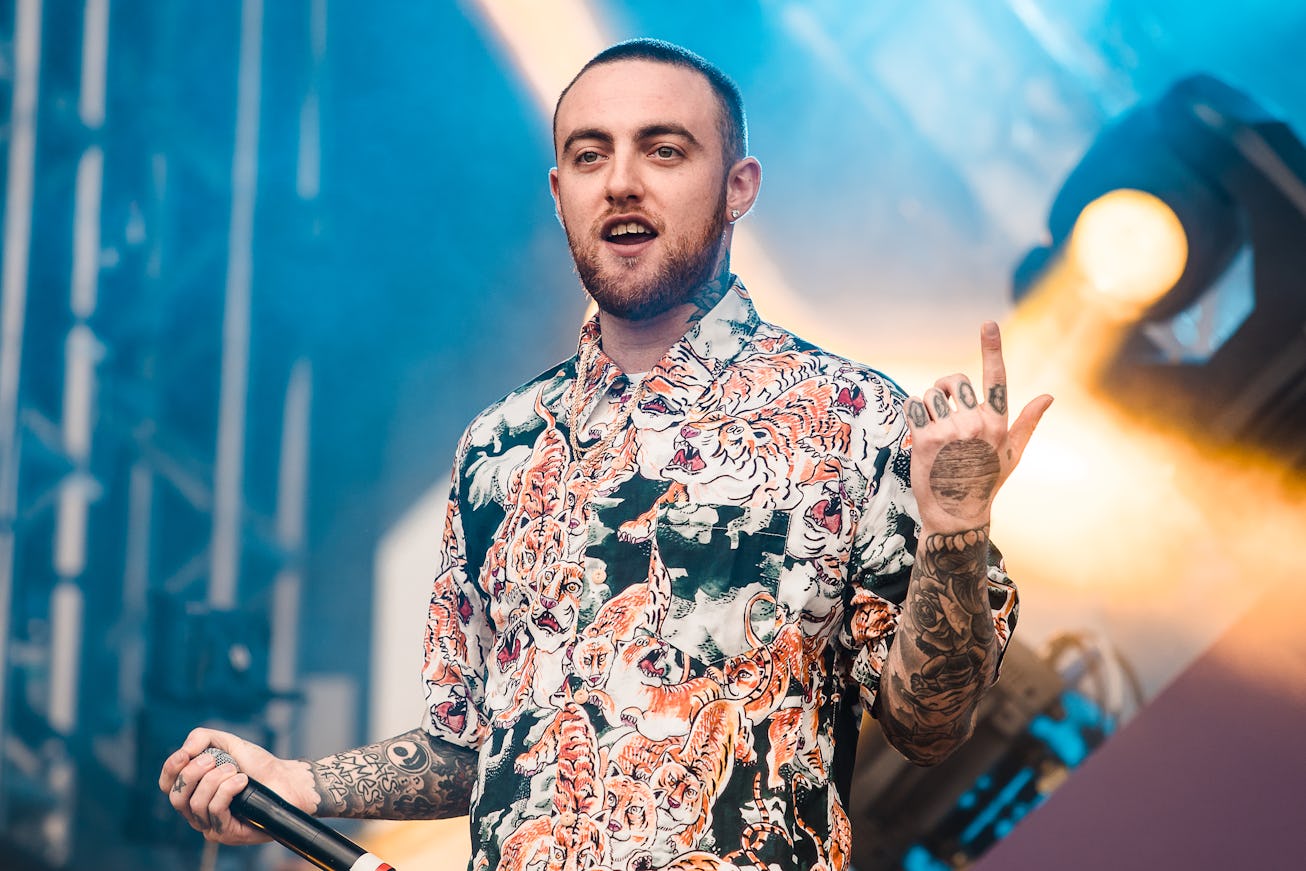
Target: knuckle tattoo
[(966, 394), (941, 406)]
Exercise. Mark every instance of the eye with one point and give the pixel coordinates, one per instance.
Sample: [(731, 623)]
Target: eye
[(587, 157), (665, 152)]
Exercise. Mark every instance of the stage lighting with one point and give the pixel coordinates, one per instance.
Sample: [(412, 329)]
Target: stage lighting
[(1146, 228), (1131, 249)]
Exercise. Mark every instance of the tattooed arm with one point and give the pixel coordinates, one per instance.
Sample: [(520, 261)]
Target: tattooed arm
[(410, 776), (945, 651)]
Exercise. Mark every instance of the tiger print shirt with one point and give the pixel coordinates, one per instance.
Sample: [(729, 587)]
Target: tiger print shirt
[(649, 635)]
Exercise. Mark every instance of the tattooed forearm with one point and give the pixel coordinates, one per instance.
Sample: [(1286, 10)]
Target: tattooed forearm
[(409, 777), (945, 652)]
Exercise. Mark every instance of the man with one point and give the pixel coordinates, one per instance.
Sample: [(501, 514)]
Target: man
[(672, 563)]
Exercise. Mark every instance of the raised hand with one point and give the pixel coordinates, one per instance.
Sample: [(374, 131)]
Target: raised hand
[(962, 447), (946, 648)]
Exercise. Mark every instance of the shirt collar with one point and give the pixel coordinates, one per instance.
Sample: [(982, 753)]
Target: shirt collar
[(709, 346)]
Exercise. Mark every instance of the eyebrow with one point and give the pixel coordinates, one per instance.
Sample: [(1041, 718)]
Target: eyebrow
[(586, 133), (666, 129), (648, 131)]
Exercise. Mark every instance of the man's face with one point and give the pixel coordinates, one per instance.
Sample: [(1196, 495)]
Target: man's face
[(640, 184)]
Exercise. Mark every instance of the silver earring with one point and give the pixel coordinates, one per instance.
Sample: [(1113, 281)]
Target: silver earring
[(734, 214)]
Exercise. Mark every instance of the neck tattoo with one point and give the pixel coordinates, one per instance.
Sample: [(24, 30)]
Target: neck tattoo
[(713, 290)]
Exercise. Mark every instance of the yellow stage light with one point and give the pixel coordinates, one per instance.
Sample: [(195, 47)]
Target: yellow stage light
[(1131, 248)]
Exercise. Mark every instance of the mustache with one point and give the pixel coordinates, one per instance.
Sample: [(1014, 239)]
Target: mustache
[(646, 217)]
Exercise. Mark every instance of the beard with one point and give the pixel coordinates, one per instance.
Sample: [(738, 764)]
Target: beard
[(685, 269)]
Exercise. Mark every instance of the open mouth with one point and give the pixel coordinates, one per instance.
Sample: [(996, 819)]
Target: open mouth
[(508, 654), (656, 405), (628, 232), (549, 622), (689, 459), (827, 513), (852, 400), (652, 665), (453, 714)]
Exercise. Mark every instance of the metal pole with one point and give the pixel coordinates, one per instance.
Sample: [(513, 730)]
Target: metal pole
[(292, 488), (228, 485), (13, 298)]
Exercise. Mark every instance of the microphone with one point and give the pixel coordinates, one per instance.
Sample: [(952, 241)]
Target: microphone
[(288, 825)]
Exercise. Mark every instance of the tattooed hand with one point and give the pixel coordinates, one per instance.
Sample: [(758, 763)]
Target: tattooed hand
[(201, 790), (962, 448), (409, 776), (945, 649)]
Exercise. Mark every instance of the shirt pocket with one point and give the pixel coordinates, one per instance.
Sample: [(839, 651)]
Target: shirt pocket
[(725, 563)]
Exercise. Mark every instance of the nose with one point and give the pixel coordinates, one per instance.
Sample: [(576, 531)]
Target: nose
[(624, 183)]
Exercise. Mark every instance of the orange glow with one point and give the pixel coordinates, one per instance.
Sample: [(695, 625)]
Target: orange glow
[(1130, 248), (432, 844), (1140, 530), (546, 42)]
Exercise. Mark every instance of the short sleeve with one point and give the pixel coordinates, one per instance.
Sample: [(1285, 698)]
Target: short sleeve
[(883, 552), (457, 638)]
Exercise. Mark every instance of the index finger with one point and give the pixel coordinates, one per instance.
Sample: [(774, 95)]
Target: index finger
[(995, 371), (172, 766)]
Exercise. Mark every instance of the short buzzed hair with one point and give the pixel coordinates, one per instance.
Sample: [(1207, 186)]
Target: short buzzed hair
[(733, 126)]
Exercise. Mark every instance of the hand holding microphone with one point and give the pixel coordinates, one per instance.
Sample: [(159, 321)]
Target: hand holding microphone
[(326, 848)]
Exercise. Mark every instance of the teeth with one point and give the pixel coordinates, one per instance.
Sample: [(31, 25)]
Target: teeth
[(625, 229)]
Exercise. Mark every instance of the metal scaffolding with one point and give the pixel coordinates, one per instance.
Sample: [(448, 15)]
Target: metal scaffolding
[(141, 568)]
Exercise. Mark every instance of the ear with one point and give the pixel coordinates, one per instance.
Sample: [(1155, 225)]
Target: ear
[(553, 190), (742, 184)]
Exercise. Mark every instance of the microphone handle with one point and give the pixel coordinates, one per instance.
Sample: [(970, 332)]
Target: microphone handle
[(300, 832), (323, 846)]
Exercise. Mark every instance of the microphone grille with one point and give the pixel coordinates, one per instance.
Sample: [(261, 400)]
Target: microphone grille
[(220, 757)]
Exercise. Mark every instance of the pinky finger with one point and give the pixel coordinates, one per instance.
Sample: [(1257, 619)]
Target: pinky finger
[(222, 798)]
